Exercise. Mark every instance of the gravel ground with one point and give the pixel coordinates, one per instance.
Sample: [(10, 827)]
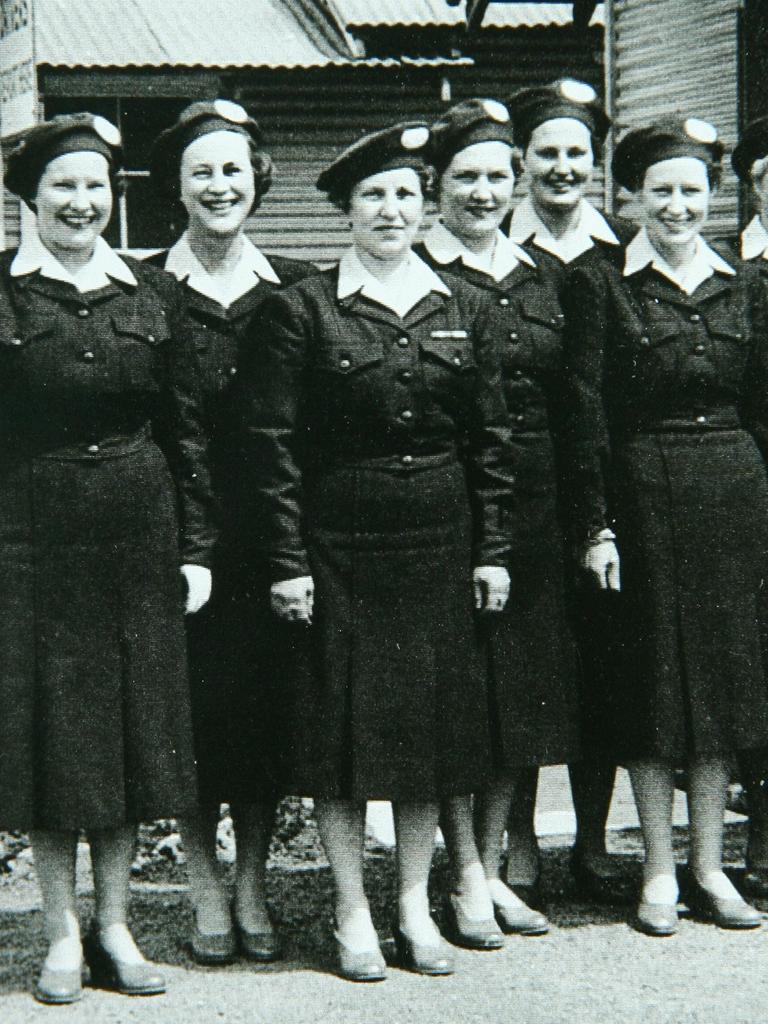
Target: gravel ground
[(591, 969)]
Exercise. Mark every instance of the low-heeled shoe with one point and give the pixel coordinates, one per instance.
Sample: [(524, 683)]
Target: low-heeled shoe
[(435, 960), (368, 965), (469, 932), (734, 913), (59, 987), (657, 919), (263, 947), (520, 920), (108, 972), (212, 948)]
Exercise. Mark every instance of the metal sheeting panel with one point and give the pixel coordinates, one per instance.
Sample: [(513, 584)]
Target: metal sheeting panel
[(141, 33), (681, 55), (437, 12)]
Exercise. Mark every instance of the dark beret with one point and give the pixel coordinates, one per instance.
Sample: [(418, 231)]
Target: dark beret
[(466, 123), (665, 139), (566, 97), (400, 145), (193, 122), (65, 133), (753, 145)]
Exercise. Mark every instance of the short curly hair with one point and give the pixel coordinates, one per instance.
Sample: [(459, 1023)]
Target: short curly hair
[(263, 174)]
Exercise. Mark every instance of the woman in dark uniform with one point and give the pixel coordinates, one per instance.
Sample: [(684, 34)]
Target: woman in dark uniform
[(533, 667), (97, 518), (211, 165), (560, 128), (377, 436), (667, 375)]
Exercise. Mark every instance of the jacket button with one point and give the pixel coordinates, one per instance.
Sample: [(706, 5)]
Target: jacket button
[(701, 419), (514, 336), (88, 356), (457, 360), (405, 375), (406, 460), (695, 318), (83, 312), (504, 301), (517, 374), (15, 341), (519, 418), (403, 342), (93, 449), (233, 371), (406, 414), (151, 339), (645, 341), (699, 350), (344, 364)]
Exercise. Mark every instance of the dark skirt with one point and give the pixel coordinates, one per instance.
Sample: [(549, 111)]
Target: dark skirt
[(534, 671), (95, 729), (236, 687), (392, 700), (692, 515)]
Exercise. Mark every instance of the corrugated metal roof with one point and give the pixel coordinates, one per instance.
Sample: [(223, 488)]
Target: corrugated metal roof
[(186, 33), (383, 13)]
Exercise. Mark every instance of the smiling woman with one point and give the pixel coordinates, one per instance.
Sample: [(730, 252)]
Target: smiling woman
[(105, 482)]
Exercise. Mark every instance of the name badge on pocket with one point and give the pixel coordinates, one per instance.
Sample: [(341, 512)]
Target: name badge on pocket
[(450, 335)]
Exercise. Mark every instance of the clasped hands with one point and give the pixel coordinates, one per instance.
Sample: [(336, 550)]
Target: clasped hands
[(293, 600)]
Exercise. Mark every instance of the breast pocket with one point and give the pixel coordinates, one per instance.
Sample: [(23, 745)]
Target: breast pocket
[(540, 333), (449, 350), (141, 343), (351, 358)]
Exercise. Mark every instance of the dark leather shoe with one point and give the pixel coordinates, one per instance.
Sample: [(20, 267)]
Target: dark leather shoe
[(129, 979), (58, 988), (263, 947), (733, 913), (470, 932), (212, 948), (368, 965), (657, 919), (594, 886), (520, 920), (434, 960)]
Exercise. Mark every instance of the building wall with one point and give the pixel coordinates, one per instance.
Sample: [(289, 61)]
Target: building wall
[(681, 55)]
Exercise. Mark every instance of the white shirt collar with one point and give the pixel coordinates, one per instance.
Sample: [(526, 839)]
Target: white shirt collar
[(444, 247), (754, 240), (590, 226), (641, 252), (103, 266), (412, 281), (252, 265)]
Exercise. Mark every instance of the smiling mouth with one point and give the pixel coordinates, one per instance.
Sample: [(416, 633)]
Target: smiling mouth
[(73, 221), (221, 205)]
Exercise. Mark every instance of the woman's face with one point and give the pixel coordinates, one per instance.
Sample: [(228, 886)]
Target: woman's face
[(74, 202), (217, 183), (476, 190), (674, 201), (386, 210), (560, 161)]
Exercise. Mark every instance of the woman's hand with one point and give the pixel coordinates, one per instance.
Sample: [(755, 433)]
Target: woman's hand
[(198, 580), (293, 599), (491, 586), (601, 560)]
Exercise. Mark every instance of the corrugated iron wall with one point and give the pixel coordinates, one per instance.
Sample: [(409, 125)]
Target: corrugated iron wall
[(681, 54)]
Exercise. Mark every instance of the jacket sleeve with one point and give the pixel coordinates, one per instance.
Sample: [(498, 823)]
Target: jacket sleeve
[(181, 432), (490, 456), (584, 438), (271, 400), (754, 409)]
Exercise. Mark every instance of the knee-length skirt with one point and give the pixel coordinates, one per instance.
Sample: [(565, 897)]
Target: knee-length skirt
[(692, 523), (390, 700), (95, 727)]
